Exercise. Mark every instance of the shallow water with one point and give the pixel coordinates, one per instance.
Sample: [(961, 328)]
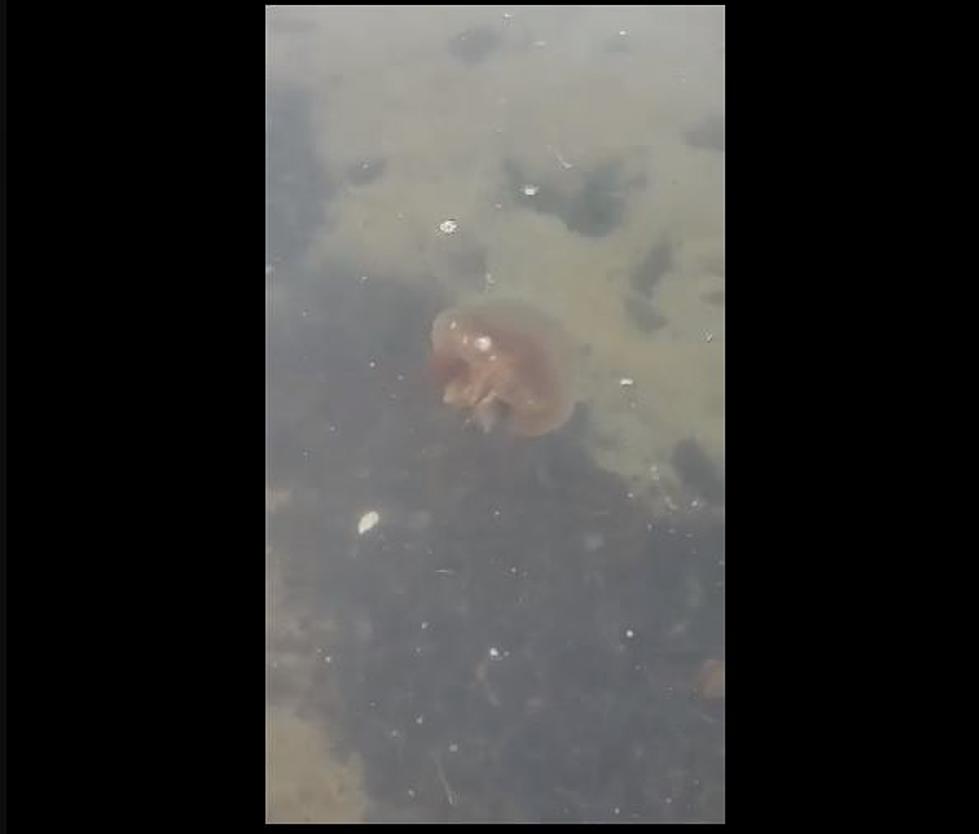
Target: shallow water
[(531, 630)]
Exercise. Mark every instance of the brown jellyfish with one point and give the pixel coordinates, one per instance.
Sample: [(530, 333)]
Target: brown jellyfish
[(506, 364)]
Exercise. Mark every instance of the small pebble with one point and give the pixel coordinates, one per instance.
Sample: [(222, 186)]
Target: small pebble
[(367, 522)]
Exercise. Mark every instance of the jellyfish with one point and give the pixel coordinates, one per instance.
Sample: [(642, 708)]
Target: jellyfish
[(506, 364)]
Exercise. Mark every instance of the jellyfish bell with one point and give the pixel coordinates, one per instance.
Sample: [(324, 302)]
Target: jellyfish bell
[(506, 365)]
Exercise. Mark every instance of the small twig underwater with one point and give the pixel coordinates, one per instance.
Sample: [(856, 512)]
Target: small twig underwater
[(445, 784)]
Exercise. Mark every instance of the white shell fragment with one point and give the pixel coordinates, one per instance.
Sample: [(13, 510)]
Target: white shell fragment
[(368, 521), (448, 226)]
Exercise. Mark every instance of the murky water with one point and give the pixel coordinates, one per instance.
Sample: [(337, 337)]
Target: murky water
[(530, 629)]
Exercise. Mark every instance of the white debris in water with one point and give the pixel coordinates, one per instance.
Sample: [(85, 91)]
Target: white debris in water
[(372, 364), (507, 16), (328, 658), (513, 569), (540, 43), (368, 521), (305, 313), (448, 226), (630, 633), (623, 33), (494, 653), (564, 163), (420, 719), (483, 343), (627, 382), (453, 748), (363, 278), (709, 337), (411, 793), (530, 190), (424, 625)]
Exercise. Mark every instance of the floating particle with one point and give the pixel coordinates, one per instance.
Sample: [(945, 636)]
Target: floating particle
[(530, 190), (709, 337), (627, 382), (593, 542), (453, 748), (363, 278), (411, 793), (372, 364), (494, 653), (563, 162), (540, 43), (367, 522), (623, 33), (507, 16), (328, 658), (630, 633), (448, 226), (420, 720), (424, 625)]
